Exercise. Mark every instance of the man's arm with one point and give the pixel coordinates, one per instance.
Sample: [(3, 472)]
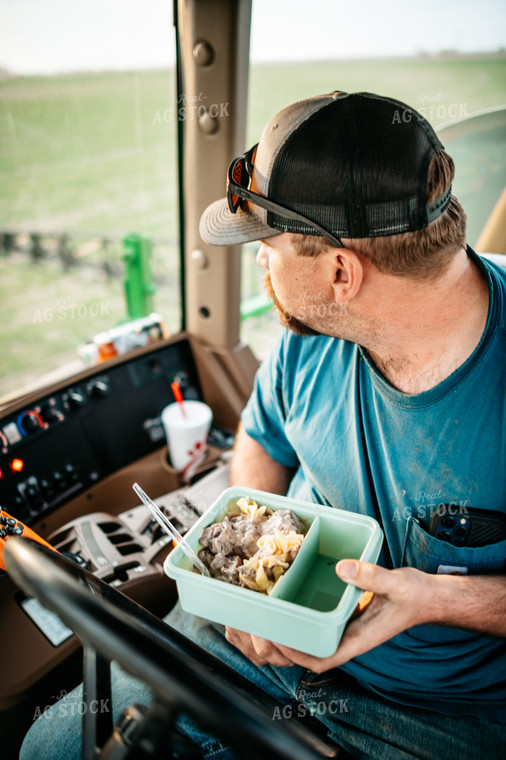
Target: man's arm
[(476, 602), (252, 467), (403, 598), (406, 597)]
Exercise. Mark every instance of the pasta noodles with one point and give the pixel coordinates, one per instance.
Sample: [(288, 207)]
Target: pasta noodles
[(253, 545)]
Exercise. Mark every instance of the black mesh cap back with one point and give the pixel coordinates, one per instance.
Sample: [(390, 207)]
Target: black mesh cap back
[(358, 167)]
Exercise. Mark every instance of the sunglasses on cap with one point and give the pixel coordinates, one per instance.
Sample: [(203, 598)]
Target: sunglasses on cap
[(239, 176)]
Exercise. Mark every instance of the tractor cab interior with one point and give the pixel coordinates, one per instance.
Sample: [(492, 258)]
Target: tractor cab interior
[(72, 445)]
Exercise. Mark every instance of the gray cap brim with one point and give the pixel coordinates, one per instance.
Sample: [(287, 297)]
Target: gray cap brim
[(218, 226)]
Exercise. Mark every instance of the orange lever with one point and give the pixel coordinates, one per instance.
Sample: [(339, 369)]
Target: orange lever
[(9, 527)]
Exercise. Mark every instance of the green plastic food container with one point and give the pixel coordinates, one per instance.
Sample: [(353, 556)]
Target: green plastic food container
[(309, 605)]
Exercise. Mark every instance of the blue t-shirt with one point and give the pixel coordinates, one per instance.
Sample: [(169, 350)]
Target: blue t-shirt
[(320, 405)]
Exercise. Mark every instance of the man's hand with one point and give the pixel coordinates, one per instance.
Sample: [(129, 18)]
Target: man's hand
[(402, 598), (258, 650), (397, 604)]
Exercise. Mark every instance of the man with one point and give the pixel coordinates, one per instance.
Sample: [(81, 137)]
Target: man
[(393, 401), (386, 397)]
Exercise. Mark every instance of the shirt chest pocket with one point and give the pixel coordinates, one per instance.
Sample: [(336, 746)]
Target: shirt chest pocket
[(430, 554)]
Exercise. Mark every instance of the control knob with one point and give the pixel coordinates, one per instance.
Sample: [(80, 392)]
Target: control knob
[(99, 388), (31, 422), (51, 414), (75, 399)]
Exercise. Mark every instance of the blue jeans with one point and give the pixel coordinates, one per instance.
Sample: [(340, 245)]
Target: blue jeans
[(365, 724)]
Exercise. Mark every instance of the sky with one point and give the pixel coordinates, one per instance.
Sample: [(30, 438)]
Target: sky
[(52, 36)]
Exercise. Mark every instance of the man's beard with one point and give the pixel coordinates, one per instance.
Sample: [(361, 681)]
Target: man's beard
[(353, 328), (287, 319)]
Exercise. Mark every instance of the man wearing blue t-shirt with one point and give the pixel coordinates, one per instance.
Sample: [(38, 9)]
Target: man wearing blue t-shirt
[(385, 397)]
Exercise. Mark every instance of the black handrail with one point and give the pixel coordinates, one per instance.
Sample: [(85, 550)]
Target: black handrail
[(176, 669)]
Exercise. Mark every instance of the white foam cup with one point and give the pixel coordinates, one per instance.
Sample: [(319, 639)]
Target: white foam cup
[(186, 429)]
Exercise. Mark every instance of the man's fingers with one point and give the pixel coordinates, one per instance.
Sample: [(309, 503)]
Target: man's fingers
[(242, 641), (371, 577), (258, 650), (315, 664), (269, 652)]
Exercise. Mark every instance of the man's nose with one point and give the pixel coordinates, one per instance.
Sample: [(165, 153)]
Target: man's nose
[(263, 257)]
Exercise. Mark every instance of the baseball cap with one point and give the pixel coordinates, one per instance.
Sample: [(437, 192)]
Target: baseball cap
[(351, 165)]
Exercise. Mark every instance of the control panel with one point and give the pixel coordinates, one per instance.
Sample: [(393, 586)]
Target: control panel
[(69, 440)]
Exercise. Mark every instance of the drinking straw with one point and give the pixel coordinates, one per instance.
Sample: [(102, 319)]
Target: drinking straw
[(176, 390)]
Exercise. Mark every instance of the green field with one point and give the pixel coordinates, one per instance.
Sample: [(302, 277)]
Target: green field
[(92, 154), (96, 152)]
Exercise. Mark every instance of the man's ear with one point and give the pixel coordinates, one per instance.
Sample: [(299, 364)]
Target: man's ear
[(348, 273)]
